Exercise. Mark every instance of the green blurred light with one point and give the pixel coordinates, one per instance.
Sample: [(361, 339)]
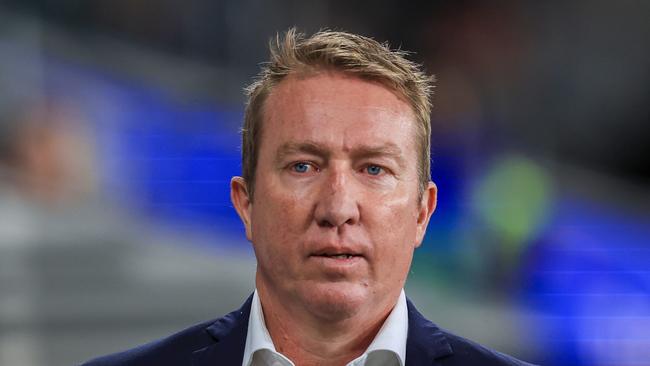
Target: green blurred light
[(514, 199)]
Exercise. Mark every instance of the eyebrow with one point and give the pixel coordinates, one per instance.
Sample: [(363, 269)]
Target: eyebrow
[(306, 147), (389, 150)]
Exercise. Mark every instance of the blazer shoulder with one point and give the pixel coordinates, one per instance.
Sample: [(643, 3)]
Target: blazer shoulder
[(426, 342), (171, 350), (470, 352), (182, 347)]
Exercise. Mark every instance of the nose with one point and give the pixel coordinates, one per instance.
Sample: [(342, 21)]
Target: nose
[(337, 204)]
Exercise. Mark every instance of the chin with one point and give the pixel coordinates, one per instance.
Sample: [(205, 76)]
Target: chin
[(335, 301)]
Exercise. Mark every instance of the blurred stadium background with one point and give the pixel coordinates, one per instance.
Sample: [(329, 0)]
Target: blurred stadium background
[(119, 134)]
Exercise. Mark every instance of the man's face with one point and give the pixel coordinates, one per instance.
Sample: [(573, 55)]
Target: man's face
[(336, 214)]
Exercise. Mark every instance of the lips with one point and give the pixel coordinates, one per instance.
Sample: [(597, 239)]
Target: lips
[(340, 256), (337, 252), (337, 256), (338, 261)]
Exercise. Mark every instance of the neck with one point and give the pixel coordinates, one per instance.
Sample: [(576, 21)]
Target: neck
[(308, 340)]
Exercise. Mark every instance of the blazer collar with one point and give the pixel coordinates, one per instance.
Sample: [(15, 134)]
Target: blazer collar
[(229, 334), (425, 342)]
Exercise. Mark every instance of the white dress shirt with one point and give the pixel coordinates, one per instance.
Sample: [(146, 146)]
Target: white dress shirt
[(387, 349)]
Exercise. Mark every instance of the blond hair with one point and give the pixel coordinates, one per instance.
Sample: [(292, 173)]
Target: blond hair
[(348, 53)]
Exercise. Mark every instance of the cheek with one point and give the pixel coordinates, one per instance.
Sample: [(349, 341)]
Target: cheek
[(398, 215), (276, 224), (395, 235)]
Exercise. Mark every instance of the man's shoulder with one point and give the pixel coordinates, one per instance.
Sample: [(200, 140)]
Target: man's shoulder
[(174, 349), (427, 342), (466, 351), (221, 338)]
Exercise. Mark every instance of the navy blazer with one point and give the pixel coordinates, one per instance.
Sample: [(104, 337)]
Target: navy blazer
[(221, 342)]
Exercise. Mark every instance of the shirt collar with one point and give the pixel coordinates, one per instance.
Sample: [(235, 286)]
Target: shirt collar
[(391, 336), (257, 337)]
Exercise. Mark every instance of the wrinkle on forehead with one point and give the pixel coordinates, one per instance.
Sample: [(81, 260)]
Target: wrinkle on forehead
[(316, 87), (340, 112)]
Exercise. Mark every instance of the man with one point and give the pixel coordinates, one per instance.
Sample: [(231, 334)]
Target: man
[(335, 197)]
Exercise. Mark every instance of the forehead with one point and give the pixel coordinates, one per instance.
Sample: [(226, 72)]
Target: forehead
[(339, 110)]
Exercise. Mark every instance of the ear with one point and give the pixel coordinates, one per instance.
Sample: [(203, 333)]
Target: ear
[(242, 203), (426, 207)]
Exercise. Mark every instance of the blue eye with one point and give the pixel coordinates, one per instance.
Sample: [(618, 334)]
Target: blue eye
[(373, 169), (300, 167)]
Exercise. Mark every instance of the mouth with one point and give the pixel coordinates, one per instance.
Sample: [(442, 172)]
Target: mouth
[(340, 256), (338, 253), (337, 256), (337, 263)]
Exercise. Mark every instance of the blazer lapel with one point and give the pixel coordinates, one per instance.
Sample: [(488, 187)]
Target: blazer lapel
[(425, 342), (229, 335)]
